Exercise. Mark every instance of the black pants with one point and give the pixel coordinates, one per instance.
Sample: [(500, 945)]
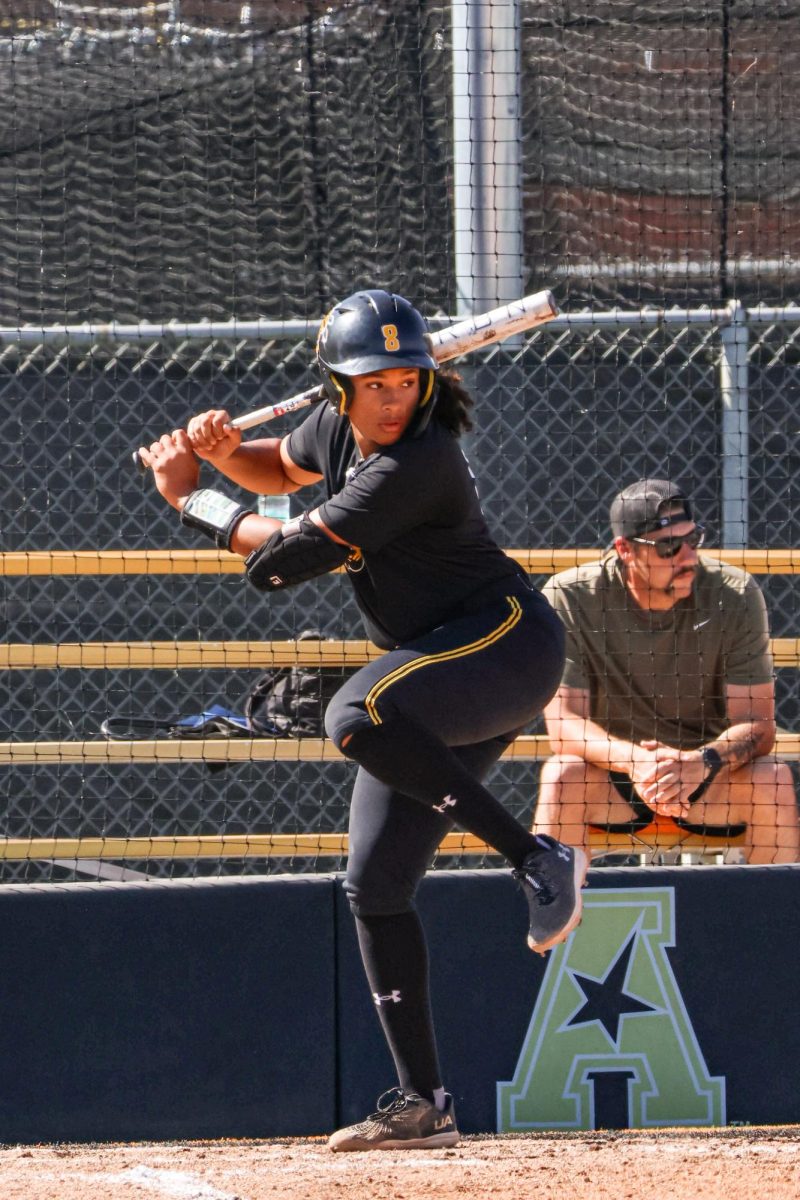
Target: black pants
[(459, 694)]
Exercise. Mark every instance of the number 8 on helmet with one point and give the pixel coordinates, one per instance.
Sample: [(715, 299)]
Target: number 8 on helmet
[(374, 331)]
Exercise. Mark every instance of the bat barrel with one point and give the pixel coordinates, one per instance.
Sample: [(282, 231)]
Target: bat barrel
[(495, 325)]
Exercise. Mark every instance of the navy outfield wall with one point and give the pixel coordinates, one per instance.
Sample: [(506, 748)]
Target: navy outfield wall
[(237, 1007), (166, 1010)]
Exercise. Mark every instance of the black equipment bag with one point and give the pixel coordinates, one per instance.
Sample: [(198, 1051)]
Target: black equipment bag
[(291, 701), (284, 702)]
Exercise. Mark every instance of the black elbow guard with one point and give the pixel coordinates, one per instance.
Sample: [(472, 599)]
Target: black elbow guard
[(294, 553)]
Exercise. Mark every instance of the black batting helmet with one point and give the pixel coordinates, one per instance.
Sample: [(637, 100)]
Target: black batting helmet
[(372, 331)]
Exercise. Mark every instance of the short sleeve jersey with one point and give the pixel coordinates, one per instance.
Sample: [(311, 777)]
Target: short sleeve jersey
[(412, 510), (662, 675)]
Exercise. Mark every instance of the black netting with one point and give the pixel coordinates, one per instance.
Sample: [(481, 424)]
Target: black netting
[(150, 170), (655, 138), (177, 160)]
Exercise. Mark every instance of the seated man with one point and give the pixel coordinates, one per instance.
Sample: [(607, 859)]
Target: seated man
[(667, 702)]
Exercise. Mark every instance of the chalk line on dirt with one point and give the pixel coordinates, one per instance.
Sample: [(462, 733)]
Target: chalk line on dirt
[(181, 1185)]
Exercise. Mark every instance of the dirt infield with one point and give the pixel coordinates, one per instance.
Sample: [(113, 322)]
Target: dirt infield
[(724, 1164)]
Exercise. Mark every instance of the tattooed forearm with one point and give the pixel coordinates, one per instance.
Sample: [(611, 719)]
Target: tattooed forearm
[(742, 743)]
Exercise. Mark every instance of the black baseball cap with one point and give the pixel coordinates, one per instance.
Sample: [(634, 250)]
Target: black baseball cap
[(639, 509)]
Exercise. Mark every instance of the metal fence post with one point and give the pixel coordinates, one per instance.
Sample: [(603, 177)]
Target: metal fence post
[(733, 383), (487, 153)]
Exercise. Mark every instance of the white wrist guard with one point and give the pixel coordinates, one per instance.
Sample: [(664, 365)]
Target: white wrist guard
[(213, 514)]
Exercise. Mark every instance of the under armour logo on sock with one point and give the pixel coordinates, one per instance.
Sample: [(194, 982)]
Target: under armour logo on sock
[(394, 997), (448, 802)]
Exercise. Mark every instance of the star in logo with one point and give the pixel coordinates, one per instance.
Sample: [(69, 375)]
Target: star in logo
[(605, 1000)]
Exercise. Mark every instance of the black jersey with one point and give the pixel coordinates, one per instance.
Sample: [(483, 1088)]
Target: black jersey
[(413, 511)]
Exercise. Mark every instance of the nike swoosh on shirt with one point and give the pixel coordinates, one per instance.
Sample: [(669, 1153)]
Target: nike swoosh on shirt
[(700, 624)]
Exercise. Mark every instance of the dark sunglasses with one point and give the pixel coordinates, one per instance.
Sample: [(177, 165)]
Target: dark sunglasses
[(669, 547)]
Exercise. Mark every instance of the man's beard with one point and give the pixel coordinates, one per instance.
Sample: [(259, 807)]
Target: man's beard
[(687, 571)]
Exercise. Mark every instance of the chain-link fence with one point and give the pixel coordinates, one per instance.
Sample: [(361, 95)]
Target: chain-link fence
[(564, 419)]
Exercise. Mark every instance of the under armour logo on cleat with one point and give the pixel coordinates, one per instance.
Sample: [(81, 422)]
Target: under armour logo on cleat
[(448, 802), (394, 997), (564, 853), (442, 1122)]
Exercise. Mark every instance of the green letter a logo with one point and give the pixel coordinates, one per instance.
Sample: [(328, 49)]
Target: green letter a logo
[(610, 1044)]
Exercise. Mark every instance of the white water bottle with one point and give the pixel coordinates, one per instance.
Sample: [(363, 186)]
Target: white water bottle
[(274, 506)]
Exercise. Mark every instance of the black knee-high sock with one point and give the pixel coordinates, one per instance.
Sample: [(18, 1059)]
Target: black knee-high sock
[(395, 957), (414, 761)]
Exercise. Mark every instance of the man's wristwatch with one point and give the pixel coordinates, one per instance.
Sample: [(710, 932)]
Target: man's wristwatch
[(713, 763)]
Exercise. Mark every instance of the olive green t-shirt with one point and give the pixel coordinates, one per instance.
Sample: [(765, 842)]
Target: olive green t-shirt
[(662, 675)]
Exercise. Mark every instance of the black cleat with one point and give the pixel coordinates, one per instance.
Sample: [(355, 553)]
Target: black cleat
[(551, 878), (403, 1121)]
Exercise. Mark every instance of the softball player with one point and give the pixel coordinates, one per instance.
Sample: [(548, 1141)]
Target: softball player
[(473, 653)]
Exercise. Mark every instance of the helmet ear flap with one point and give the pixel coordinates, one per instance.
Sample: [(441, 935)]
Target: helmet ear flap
[(427, 379), (427, 402), (339, 391)]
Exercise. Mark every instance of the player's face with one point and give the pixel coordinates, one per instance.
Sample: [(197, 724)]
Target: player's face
[(383, 405), (657, 582)]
